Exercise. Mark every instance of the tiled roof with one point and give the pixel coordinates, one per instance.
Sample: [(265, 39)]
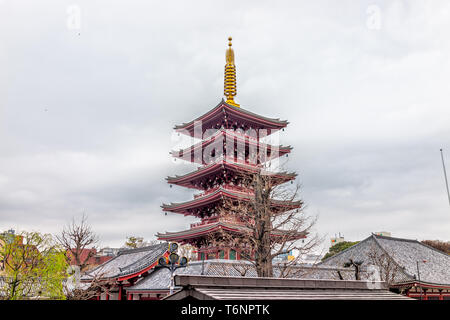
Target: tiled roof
[(159, 279), (218, 113), (128, 262), (218, 194), (237, 288), (403, 252), (239, 293), (208, 228), (219, 139), (218, 166)]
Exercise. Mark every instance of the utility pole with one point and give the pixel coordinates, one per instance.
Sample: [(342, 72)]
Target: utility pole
[(445, 176)]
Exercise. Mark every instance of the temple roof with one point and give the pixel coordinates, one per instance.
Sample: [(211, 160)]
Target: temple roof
[(238, 288), (159, 280), (189, 180), (225, 113), (405, 253), (220, 137), (217, 195), (210, 228), (200, 231), (128, 262)]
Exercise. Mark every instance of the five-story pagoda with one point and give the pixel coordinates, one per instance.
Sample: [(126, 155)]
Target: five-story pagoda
[(230, 147)]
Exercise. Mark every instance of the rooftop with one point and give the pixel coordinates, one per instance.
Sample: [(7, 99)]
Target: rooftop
[(128, 262), (238, 288), (232, 113), (434, 265)]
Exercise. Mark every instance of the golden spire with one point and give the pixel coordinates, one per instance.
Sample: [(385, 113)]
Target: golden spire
[(230, 76)]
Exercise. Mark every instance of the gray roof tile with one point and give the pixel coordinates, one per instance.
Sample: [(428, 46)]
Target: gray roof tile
[(405, 253), (128, 262)]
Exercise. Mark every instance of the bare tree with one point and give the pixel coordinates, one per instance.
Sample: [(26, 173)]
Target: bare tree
[(272, 222), (388, 269), (76, 238), (188, 251), (88, 289)]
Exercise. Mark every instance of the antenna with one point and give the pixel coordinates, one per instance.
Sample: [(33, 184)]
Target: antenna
[(445, 176)]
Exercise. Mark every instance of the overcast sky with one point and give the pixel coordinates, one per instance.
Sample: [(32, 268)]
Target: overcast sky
[(90, 92)]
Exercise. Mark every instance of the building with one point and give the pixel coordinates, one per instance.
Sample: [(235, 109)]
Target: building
[(383, 233), (337, 239), (236, 288), (110, 252), (226, 151), (409, 266), (311, 258), (88, 257), (156, 284), (231, 146), (125, 269)]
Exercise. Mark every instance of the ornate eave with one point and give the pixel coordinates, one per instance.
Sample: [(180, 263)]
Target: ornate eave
[(238, 139), (199, 232), (225, 113), (182, 236), (217, 196), (204, 200), (191, 179)]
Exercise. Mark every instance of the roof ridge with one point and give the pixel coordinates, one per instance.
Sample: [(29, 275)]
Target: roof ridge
[(393, 238), (402, 268), (345, 250), (412, 240), (135, 250)]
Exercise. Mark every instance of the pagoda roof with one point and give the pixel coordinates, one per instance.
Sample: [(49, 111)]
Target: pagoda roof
[(188, 179), (223, 134), (233, 114), (200, 231), (217, 195), (128, 263)]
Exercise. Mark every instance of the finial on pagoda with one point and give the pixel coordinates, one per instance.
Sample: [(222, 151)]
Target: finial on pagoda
[(230, 89)]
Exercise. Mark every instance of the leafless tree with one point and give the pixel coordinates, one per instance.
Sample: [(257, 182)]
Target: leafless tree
[(188, 251), (388, 269), (77, 237), (88, 289), (272, 222)]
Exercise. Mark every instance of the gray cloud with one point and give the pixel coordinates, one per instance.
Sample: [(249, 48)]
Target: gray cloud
[(86, 114)]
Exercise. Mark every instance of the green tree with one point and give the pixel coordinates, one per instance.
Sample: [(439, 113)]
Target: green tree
[(338, 247), (34, 267)]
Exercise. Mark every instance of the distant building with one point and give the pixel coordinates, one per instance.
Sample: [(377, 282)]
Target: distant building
[(110, 252), (10, 236), (311, 259), (289, 256), (237, 288), (337, 239), (383, 233), (93, 258)]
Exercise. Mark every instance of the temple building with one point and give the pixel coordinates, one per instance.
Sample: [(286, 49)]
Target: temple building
[(408, 266), (231, 146)]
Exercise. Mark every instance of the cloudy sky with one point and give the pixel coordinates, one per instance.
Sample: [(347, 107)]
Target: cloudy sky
[(90, 92)]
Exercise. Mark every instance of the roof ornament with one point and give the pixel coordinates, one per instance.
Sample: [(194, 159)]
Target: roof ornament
[(230, 89)]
